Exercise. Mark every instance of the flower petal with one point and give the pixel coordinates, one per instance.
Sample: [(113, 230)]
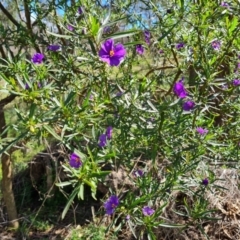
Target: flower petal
[(106, 59), (119, 51), (115, 61), (107, 46)]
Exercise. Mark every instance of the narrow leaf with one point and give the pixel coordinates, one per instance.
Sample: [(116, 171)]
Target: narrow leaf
[(70, 200), (52, 132), (59, 35)]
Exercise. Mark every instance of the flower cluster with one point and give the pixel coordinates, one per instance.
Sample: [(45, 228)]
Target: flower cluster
[(147, 36), (111, 204), (236, 82), (75, 161), (188, 105), (224, 4), (140, 49), (102, 141), (80, 10), (54, 48), (179, 45), (27, 87), (205, 182), (38, 58), (138, 173), (147, 211), (181, 92), (112, 54), (70, 27), (201, 130), (179, 89), (216, 45)]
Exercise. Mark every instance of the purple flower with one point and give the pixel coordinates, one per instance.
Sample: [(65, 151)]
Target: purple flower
[(205, 182), (128, 217), (188, 105), (179, 89), (147, 36), (216, 45), (151, 119), (147, 211), (37, 58), (91, 97), (139, 49), (109, 132), (80, 10), (224, 4), (27, 86), (112, 54), (161, 51), (102, 142), (138, 173), (107, 30), (70, 27), (224, 86), (119, 94), (75, 161), (53, 47), (201, 130), (111, 204), (236, 82), (179, 45)]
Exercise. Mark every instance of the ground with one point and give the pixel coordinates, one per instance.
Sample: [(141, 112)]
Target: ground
[(40, 216)]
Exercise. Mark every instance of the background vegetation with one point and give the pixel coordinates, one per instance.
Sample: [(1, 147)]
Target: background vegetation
[(144, 145)]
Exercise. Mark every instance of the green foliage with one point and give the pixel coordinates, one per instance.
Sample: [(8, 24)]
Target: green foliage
[(75, 95), (91, 231)]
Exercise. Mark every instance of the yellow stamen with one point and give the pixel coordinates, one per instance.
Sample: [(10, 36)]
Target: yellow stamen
[(111, 53)]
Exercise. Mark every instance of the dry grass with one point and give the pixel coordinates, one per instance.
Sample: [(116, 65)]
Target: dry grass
[(225, 200)]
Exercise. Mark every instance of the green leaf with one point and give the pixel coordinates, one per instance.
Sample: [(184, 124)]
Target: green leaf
[(122, 34), (32, 110), (70, 200), (233, 26), (81, 192), (80, 154), (62, 184), (100, 174), (165, 34), (10, 144), (59, 35), (20, 82), (105, 24), (52, 132), (94, 25), (167, 225)]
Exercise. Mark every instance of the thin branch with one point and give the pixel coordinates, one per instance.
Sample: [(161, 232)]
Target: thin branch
[(9, 15), (28, 16), (18, 10), (29, 25), (7, 100), (159, 68), (2, 52)]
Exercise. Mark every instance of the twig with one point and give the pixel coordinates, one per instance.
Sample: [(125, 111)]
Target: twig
[(9, 16), (159, 68)]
